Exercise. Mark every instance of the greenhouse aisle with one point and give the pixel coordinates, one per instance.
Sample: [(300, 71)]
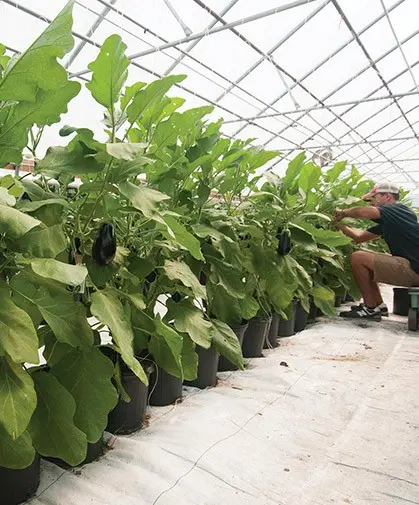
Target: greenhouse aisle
[(331, 416)]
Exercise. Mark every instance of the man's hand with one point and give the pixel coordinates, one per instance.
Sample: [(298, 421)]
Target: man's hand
[(339, 215)]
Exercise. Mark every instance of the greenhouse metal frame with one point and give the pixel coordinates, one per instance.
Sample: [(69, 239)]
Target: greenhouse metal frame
[(336, 78)]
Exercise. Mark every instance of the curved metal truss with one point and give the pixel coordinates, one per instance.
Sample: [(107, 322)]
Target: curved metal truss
[(327, 76)]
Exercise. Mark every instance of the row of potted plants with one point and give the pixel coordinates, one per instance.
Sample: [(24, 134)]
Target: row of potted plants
[(171, 250)]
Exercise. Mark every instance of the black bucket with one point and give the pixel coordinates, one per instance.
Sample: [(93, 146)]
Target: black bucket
[(17, 486), (224, 364), (401, 301), (301, 318), (271, 339), (207, 368), (128, 417), (313, 312), (255, 336), (94, 452), (166, 388), (286, 327)]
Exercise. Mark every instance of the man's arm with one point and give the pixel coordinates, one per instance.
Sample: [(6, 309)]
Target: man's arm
[(359, 213), (358, 236)]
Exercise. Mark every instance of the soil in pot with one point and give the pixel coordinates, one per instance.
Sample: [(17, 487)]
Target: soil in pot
[(401, 301), (207, 368), (255, 336), (286, 327), (271, 339), (301, 318), (94, 452), (17, 486), (225, 365), (128, 417), (165, 388)]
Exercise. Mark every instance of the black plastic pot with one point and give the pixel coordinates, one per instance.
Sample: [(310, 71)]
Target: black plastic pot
[(166, 388), (271, 338), (401, 301), (207, 368), (313, 313), (129, 417), (301, 318), (224, 364), (255, 336), (286, 327), (94, 452), (17, 486)]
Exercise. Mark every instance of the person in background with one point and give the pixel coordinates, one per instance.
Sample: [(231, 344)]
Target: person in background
[(398, 225)]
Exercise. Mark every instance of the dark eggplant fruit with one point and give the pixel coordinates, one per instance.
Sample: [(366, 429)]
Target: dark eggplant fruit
[(176, 297), (284, 243), (104, 246)]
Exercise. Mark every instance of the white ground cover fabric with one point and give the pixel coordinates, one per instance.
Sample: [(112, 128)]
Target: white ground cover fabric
[(338, 425)]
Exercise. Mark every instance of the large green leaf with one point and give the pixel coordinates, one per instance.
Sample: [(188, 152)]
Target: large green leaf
[(43, 241), (45, 110), (189, 360), (87, 376), (223, 306), (71, 160), (189, 319), (143, 198), (230, 278), (166, 347), (18, 335), (17, 397), (325, 237), (181, 235), (177, 270), (281, 283), (15, 223), (333, 174), (53, 431), (226, 342), (6, 198), (309, 177), (324, 299), (126, 151), (66, 317), (179, 125), (64, 273), (16, 454), (27, 73), (109, 72), (110, 311), (293, 171), (145, 98)]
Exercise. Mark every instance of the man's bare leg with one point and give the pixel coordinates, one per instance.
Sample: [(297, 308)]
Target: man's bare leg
[(362, 263)]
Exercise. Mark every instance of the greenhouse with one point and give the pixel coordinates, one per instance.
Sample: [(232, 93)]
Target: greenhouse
[(209, 252)]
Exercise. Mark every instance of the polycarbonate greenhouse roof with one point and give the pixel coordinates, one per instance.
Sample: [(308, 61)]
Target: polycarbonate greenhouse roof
[(336, 78)]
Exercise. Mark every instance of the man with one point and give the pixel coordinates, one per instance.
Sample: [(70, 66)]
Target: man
[(398, 226)]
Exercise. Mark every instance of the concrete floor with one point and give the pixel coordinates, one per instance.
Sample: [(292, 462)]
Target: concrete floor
[(329, 417)]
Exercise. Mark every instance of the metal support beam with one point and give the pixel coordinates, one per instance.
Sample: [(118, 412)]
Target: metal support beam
[(197, 41), (371, 61), (321, 107), (89, 33), (326, 60), (227, 26)]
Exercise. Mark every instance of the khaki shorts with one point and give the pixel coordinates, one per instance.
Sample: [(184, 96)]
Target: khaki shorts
[(394, 270)]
